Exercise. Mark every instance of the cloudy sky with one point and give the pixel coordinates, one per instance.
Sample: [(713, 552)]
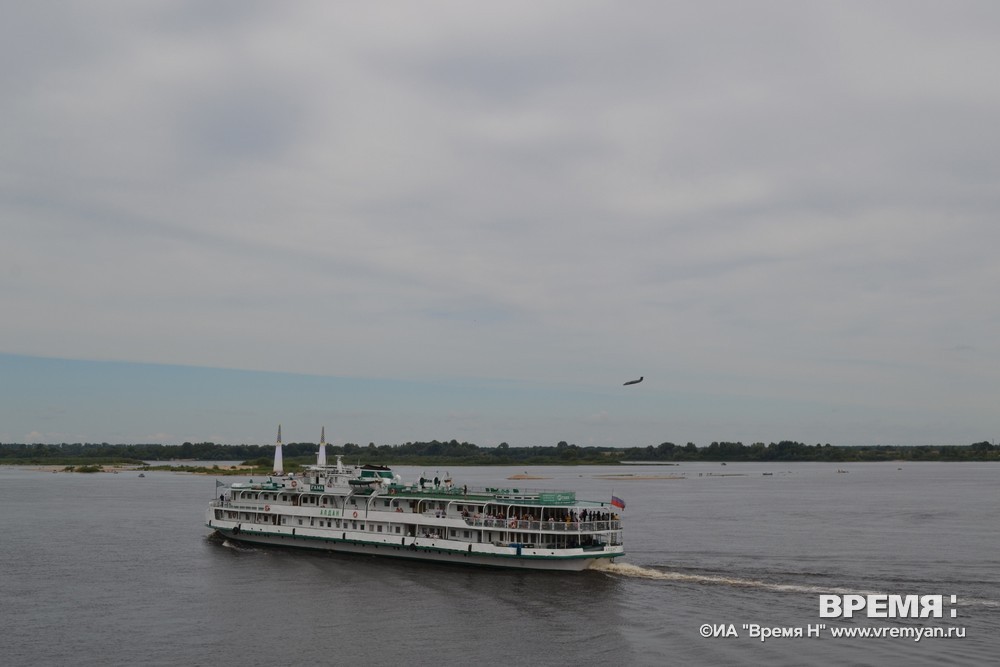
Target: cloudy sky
[(409, 221)]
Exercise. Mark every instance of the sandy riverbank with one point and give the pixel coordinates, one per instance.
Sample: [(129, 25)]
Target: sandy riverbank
[(104, 468), (135, 467)]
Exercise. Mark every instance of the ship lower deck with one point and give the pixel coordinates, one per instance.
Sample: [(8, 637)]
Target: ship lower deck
[(509, 555)]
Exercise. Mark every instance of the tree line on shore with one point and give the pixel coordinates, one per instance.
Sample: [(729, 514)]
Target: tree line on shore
[(464, 453)]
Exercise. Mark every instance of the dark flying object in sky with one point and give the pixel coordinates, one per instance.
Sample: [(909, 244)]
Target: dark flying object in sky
[(633, 381)]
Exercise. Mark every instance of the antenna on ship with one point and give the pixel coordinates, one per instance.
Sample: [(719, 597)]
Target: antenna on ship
[(321, 456), (279, 468)]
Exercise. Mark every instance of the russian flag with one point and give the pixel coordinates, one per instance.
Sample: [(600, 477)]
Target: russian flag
[(617, 502)]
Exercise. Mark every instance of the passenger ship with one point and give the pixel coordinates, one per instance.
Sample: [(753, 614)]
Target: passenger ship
[(367, 509)]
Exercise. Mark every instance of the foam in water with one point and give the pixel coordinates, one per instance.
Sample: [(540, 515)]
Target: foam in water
[(236, 547), (635, 571), (629, 570)]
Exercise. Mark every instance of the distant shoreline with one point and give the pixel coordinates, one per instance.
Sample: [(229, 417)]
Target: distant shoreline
[(241, 470), (113, 468), (453, 453)]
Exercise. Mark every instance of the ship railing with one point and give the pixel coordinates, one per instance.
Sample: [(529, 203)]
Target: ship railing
[(555, 526), (456, 489), (245, 506)]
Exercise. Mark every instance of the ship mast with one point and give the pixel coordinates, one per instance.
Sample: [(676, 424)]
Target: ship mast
[(321, 456), (279, 467)]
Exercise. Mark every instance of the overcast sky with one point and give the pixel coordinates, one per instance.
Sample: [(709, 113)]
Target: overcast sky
[(409, 221)]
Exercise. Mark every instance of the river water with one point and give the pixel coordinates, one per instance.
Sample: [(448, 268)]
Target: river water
[(117, 569)]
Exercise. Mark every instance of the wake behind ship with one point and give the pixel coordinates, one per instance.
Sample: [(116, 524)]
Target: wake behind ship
[(367, 509)]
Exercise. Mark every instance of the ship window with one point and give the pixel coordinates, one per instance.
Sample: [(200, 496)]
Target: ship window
[(300, 522), (466, 533), (397, 530), (386, 503), (380, 529)]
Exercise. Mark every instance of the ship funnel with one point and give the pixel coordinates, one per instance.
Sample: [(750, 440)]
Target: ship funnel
[(279, 466), (321, 456)]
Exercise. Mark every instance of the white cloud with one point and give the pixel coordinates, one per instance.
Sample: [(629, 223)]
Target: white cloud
[(735, 195)]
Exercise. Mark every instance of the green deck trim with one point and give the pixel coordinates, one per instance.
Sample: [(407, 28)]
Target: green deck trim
[(567, 499)]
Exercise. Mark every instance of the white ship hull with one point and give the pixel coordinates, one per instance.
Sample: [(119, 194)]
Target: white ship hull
[(420, 549)]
